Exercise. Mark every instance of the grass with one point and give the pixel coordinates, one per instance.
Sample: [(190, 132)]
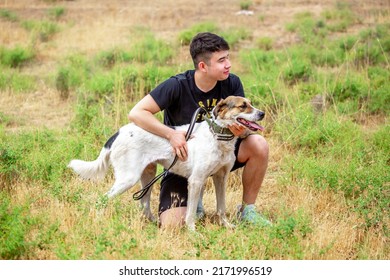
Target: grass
[(232, 36), (327, 187), (16, 56)]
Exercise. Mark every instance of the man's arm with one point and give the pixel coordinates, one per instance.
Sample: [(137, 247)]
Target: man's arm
[(142, 115)]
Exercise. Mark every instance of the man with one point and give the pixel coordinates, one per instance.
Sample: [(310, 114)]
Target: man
[(179, 97)]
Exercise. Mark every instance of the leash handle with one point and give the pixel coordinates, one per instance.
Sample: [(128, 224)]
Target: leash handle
[(141, 193)]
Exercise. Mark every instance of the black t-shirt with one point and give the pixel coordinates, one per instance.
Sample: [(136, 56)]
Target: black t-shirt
[(179, 97)]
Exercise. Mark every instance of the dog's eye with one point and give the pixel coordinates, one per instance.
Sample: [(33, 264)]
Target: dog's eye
[(243, 106)]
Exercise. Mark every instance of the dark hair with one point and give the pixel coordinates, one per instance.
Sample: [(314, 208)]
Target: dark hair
[(204, 44)]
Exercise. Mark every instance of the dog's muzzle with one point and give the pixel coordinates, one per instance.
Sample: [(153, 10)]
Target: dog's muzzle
[(252, 125)]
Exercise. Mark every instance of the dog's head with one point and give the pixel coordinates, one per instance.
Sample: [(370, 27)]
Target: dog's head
[(238, 109)]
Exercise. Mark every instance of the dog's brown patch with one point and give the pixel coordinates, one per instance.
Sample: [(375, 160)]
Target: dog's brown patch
[(231, 106)]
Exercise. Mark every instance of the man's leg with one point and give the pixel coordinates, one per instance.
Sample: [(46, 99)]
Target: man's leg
[(254, 152), (173, 201), (173, 217)]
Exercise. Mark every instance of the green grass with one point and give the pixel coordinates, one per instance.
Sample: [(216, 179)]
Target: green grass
[(150, 49), (14, 81), (44, 30), (9, 15), (15, 57), (232, 36), (56, 12)]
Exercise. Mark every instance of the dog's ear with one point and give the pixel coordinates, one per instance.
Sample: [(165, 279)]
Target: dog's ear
[(219, 107)]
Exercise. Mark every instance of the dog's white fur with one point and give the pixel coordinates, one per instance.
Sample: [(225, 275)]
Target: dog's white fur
[(135, 152)]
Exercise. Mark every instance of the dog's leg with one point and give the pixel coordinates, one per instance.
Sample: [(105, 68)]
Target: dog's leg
[(122, 184), (195, 185), (125, 177), (146, 177), (220, 182)]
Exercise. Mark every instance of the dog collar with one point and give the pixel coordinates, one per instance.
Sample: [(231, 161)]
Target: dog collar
[(222, 133)]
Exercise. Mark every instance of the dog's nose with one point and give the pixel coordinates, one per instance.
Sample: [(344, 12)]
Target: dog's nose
[(261, 115)]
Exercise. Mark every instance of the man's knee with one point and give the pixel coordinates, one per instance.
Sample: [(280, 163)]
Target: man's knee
[(258, 145), (254, 146), (262, 147)]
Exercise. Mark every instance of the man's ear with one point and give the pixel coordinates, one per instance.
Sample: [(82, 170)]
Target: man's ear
[(202, 66)]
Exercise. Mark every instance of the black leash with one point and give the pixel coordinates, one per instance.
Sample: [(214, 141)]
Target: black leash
[(141, 193)]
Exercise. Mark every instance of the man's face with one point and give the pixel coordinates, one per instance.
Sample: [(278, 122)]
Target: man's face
[(219, 65)]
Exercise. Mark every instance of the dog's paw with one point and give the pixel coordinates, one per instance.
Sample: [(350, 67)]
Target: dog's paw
[(191, 227), (229, 225), (150, 217)]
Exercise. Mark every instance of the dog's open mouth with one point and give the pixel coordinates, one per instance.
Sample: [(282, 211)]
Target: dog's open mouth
[(251, 125)]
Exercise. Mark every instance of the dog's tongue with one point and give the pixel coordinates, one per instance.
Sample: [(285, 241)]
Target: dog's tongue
[(251, 125)]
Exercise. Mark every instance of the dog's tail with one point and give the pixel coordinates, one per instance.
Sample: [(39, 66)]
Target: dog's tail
[(94, 170)]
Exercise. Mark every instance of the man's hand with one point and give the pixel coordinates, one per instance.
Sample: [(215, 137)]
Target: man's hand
[(179, 144), (237, 129)]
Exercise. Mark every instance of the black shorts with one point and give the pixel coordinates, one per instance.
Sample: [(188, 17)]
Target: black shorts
[(174, 191)]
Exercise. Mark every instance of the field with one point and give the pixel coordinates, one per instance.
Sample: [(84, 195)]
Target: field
[(70, 71)]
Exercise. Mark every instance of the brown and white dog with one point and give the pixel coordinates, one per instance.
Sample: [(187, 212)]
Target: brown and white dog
[(132, 150)]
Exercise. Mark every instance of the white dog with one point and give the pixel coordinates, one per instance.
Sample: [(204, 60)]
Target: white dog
[(210, 152)]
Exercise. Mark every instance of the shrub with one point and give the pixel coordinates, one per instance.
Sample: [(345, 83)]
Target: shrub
[(72, 73), (44, 29), (245, 4), (379, 95), (297, 70), (150, 49), (378, 100), (371, 47), (235, 35), (109, 58), (264, 43), (350, 87), (186, 36), (14, 224), (6, 14), (8, 170), (16, 56), (56, 12), (62, 82), (101, 83), (309, 29), (340, 18), (348, 43), (151, 76)]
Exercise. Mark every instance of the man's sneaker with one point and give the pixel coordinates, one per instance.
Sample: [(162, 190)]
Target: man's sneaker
[(251, 216)]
